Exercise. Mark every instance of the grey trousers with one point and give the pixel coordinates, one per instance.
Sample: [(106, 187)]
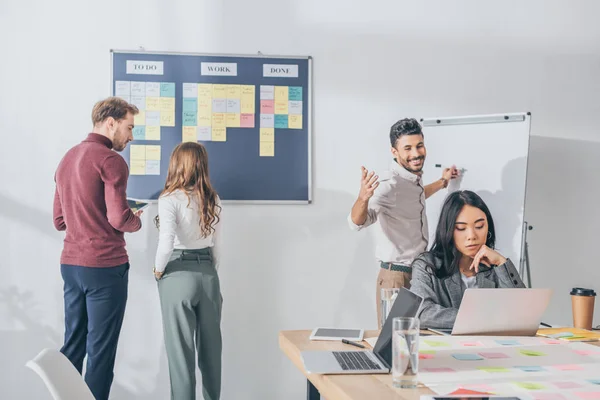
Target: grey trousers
[(190, 300)]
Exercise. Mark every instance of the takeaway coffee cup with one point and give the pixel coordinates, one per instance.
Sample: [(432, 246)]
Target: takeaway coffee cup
[(582, 301)]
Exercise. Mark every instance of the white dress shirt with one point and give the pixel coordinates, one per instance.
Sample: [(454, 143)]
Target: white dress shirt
[(469, 281), (398, 204), (180, 228)]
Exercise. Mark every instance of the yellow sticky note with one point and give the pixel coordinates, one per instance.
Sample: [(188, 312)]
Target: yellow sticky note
[(219, 92), (267, 134), (281, 107), (233, 91), (233, 120), (204, 120), (218, 120), (153, 133), (294, 121), (281, 93), (137, 152), (152, 103), (219, 134), (189, 134), (248, 90), (167, 118), (205, 91), (153, 152), (140, 118), (247, 104), (167, 104), (137, 167), (267, 149)]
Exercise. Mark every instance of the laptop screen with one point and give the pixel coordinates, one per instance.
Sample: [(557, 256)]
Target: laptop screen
[(407, 304)]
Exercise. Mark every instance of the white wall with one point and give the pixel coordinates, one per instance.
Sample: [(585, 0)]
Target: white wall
[(292, 267)]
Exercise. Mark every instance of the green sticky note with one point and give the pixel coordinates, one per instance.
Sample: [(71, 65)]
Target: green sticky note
[(433, 343), (493, 369), (426, 351), (530, 385), (532, 353)]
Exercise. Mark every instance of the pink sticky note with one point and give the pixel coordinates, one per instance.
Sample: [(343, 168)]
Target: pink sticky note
[(436, 370), (586, 352), (493, 355), (589, 395), (247, 121), (548, 396), (267, 106), (552, 341), (569, 367), (566, 385), (425, 356), (472, 344)]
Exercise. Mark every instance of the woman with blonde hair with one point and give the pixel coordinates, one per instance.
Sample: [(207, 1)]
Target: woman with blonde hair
[(189, 220)]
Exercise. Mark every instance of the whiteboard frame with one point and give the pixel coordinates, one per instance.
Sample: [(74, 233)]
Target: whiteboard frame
[(258, 55), (490, 119)]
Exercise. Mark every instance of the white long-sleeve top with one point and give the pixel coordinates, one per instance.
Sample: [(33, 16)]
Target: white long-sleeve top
[(180, 228)]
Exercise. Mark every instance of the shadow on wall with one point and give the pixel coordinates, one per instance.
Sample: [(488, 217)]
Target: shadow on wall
[(562, 206)]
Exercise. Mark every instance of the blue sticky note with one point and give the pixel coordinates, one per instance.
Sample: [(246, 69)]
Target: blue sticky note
[(139, 133), (594, 381), (281, 121), (295, 93), (167, 89), (190, 118), (508, 342), (190, 104), (467, 357), (152, 167), (531, 368)]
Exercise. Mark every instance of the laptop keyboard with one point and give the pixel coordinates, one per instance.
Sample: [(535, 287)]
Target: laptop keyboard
[(355, 361)]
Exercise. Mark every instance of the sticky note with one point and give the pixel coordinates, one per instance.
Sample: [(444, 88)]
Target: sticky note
[(167, 118), (281, 107), (137, 152), (247, 121), (493, 369), (551, 341), (569, 367), (267, 149), (531, 353), (204, 107), (219, 134), (233, 106), (594, 381), (267, 92), (152, 167), (190, 90), (167, 89), (137, 167), (152, 89), (586, 352), (189, 118), (548, 396), (295, 121), (438, 370), (167, 104), (204, 133), (205, 90), (295, 107), (508, 342), (122, 88), (188, 134), (588, 395), (267, 134), (219, 91), (218, 121), (281, 121), (140, 118), (247, 99), (434, 343), (566, 385), (219, 105), (529, 385), (204, 120), (153, 152), (468, 344), (190, 104), (281, 94), (232, 120), (152, 103), (531, 368), (467, 357), (425, 356), (267, 107), (139, 133), (426, 351), (139, 102), (153, 133), (234, 92), (152, 118), (138, 89), (295, 93), (267, 121), (493, 355)]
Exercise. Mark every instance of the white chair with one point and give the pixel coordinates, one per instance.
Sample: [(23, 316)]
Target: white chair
[(60, 376)]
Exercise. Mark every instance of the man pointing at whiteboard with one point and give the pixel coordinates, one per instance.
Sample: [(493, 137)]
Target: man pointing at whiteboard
[(397, 201)]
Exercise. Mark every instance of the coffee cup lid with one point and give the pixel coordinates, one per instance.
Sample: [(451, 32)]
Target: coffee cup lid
[(582, 292)]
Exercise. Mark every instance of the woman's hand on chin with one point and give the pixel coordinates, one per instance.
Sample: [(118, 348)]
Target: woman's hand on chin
[(487, 256)]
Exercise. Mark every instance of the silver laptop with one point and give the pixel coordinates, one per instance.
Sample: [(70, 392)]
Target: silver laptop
[(501, 312), (378, 361)]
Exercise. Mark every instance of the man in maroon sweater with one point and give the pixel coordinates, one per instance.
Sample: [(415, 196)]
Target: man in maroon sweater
[(90, 205)]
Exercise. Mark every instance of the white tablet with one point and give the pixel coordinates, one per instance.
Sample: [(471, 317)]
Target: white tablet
[(337, 334)]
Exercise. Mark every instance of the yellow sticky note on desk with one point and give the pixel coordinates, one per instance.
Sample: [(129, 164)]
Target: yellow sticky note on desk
[(189, 134), (267, 149), (219, 134), (152, 103), (153, 133), (294, 121), (137, 152), (140, 118), (153, 152), (137, 167)]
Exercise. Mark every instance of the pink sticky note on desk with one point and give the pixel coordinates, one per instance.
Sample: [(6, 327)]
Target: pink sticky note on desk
[(436, 370), (588, 395), (566, 385), (548, 396), (493, 355), (586, 352), (552, 341), (569, 367), (425, 356), (472, 344)]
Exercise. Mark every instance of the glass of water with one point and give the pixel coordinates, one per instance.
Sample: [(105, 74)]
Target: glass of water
[(388, 296), (405, 352)]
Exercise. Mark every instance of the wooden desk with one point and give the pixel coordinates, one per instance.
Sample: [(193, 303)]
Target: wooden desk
[(346, 387)]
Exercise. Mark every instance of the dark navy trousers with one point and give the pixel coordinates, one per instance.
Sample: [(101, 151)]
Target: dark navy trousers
[(95, 300)]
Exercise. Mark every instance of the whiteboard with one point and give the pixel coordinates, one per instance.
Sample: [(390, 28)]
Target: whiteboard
[(492, 150)]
